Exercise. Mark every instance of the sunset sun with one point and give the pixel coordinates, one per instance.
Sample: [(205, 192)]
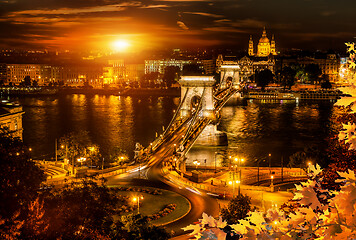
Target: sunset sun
[(120, 45)]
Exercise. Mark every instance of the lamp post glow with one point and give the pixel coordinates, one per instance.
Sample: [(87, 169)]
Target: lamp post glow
[(269, 162), (233, 186), (196, 163), (239, 161), (309, 164), (137, 199), (272, 187)]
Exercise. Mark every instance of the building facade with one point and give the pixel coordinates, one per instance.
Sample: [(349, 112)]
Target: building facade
[(160, 65), (17, 72), (11, 118)]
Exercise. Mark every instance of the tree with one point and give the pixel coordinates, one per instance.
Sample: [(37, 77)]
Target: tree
[(78, 145), (326, 82), (80, 209), (263, 78), (237, 209), (118, 156), (288, 77), (137, 227), (192, 69), (20, 177), (149, 79), (298, 159), (312, 72), (171, 75), (27, 81)]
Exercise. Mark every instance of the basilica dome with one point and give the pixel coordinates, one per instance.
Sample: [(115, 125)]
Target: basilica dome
[(264, 40)]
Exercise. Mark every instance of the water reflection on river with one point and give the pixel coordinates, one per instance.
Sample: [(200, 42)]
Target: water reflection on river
[(254, 129)]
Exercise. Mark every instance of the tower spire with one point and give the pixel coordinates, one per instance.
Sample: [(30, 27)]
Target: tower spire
[(250, 46)]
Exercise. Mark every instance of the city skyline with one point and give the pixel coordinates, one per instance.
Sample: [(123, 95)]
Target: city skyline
[(142, 25)]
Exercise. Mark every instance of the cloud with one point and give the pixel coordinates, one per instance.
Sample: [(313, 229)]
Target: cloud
[(156, 6), (182, 25), (205, 14), (224, 29), (65, 11)]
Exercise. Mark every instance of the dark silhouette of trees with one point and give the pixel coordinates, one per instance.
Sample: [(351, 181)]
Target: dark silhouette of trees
[(171, 75), (288, 77), (27, 82), (77, 145), (325, 83), (20, 177), (237, 209), (312, 72), (263, 78), (192, 69)]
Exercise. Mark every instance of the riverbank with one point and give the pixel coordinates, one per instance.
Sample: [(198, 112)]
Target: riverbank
[(34, 92)]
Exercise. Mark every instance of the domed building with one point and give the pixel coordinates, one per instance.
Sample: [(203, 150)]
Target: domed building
[(264, 47)]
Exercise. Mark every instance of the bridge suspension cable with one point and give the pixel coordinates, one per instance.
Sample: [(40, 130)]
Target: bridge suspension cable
[(194, 117), (176, 113)]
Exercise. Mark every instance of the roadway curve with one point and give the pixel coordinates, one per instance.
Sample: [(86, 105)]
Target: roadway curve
[(154, 177)]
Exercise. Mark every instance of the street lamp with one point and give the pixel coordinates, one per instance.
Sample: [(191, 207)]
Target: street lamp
[(196, 163), (233, 186), (269, 162), (272, 187), (81, 160), (137, 199), (309, 164), (239, 160)]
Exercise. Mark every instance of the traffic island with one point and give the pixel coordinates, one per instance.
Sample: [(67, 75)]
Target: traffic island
[(162, 208)]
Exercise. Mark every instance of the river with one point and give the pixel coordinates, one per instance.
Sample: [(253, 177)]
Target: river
[(254, 128)]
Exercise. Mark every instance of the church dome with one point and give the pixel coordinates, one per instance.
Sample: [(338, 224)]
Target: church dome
[(264, 40)]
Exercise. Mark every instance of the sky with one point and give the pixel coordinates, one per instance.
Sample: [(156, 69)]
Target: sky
[(156, 24)]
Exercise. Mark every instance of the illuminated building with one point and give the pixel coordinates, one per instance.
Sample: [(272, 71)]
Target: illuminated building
[(248, 65), (11, 118), (133, 72), (3, 72), (81, 75), (160, 65), (264, 47), (17, 72)]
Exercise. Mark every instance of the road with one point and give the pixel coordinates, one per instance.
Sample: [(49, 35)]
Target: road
[(151, 175)]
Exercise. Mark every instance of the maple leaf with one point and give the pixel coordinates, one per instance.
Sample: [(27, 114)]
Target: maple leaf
[(220, 223), (352, 64), (239, 228), (197, 229), (350, 47), (208, 220), (349, 176), (345, 101), (315, 170), (274, 214)]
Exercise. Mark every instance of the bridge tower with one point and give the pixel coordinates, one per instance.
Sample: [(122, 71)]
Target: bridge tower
[(194, 89), (229, 73)]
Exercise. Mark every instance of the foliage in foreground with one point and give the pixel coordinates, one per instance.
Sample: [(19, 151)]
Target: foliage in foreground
[(76, 211), (322, 214)]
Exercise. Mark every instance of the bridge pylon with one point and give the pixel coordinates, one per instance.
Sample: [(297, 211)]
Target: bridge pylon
[(228, 73), (200, 88)]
